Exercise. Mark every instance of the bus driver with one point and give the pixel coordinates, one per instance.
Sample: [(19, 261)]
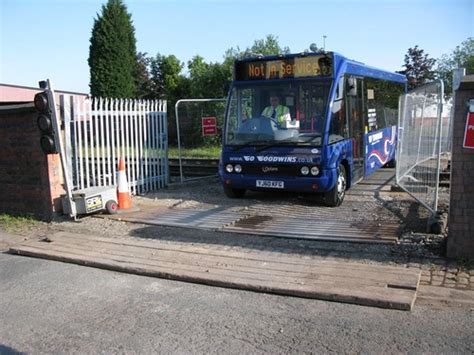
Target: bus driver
[(276, 111)]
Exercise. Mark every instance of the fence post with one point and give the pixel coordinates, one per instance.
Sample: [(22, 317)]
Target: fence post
[(65, 105), (439, 133)]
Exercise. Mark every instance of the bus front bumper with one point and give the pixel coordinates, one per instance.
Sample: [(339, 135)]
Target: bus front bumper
[(324, 182)]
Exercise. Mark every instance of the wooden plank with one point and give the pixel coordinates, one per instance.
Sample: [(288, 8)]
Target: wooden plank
[(381, 286), (171, 266), (265, 256), (369, 296), (178, 260)]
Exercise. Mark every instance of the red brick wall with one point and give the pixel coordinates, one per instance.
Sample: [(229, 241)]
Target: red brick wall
[(30, 181), (461, 210)]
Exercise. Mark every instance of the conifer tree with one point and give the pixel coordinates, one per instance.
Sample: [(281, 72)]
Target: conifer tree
[(112, 53)]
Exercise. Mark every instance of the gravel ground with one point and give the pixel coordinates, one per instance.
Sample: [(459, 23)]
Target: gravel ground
[(363, 203), (414, 248)]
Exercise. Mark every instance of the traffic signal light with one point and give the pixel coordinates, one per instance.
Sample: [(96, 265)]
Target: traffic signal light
[(46, 125)]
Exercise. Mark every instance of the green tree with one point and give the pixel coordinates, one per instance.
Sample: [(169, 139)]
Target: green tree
[(267, 46), (168, 83), (208, 80), (461, 57), (166, 76), (198, 75), (143, 80), (112, 53), (418, 67)]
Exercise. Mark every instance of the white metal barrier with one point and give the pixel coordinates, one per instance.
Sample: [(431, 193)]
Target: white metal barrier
[(98, 132), (424, 135)]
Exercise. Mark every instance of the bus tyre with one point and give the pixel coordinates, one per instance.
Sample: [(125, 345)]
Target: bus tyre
[(335, 196), (234, 193)]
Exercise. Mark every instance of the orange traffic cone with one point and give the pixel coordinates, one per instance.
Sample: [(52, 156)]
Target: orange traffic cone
[(123, 191)]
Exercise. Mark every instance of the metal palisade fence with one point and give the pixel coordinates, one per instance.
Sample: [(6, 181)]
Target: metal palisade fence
[(424, 137), (98, 132)]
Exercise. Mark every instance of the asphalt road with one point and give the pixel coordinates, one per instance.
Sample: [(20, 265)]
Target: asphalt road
[(51, 307)]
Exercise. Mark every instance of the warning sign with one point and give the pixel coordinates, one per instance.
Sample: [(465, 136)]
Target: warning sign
[(209, 126), (469, 132)]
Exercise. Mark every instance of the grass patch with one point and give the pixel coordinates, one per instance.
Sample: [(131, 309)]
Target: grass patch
[(212, 152), (466, 264), (12, 224)]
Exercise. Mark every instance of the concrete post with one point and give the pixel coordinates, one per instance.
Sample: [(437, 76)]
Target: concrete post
[(461, 209)]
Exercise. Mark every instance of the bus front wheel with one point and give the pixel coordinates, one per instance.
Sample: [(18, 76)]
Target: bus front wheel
[(234, 193), (335, 196)]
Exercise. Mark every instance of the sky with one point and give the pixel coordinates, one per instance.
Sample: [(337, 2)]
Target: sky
[(50, 38)]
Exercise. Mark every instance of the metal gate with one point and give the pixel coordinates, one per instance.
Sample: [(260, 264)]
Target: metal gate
[(424, 125), (198, 137), (98, 132)]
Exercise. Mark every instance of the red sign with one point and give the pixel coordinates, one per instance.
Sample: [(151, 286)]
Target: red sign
[(209, 121), (469, 132), (209, 131), (209, 126)]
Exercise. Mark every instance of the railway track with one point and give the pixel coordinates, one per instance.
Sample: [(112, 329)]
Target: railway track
[(194, 167)]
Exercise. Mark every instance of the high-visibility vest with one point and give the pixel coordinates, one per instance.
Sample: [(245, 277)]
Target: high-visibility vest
[(282, 113)]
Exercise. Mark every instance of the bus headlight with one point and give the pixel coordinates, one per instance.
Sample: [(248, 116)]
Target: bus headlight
[(238, 169), (314, 170), (304, 170), (229, 168)]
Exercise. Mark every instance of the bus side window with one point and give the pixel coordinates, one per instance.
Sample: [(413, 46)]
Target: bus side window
[(382, 103), (338, 125)]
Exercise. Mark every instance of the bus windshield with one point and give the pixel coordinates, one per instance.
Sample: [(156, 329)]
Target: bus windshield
[(277, 113)]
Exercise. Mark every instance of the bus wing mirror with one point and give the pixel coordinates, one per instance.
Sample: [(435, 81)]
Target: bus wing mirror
[(351, 86)]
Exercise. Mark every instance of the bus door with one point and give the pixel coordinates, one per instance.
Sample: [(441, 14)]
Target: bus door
[(355, 116)]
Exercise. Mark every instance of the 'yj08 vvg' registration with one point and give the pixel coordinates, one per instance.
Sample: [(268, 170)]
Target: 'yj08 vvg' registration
[(271, 184)]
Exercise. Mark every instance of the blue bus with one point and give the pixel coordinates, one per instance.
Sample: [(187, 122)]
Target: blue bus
[(308, 123)]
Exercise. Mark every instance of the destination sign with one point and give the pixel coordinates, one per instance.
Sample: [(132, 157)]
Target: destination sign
[(288, 68)]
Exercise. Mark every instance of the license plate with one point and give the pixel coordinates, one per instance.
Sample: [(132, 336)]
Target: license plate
[(271, 184)]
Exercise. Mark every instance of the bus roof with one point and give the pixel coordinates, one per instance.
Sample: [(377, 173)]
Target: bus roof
[(342, 65)]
